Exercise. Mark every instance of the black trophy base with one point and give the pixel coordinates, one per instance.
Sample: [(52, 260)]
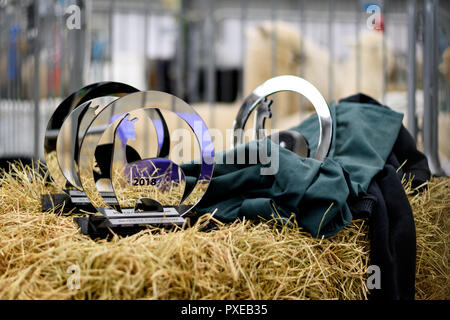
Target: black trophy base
[(128, 222)]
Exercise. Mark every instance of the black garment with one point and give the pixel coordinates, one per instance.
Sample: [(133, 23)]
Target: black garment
[(391, 223), (416, 164), (392, 236)]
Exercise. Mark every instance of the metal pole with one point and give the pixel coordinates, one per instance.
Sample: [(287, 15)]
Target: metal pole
[(384, 74), (36, 85), (411, 73), (330, 49), (358, 47), (243, 18), (2, 27), (430, 87), (181, 53), (146, 69), (8, 49), (9, 127), (80, 46), (146, 45), (60, 23), (2, 125), (274, 38), (15, 98), (211, 78), (64, 59), (112, 5), (302, 29), (194, 54), (86, 39)]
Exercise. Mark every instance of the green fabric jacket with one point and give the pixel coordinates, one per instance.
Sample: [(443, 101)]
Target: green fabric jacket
[(315, 192)]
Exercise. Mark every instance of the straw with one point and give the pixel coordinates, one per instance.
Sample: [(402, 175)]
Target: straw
[(242, 260)]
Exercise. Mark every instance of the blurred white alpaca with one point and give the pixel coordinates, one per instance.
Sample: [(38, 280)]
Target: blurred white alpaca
[(312, 62)]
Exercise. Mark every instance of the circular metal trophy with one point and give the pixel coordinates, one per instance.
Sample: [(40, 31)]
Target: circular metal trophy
[(61, 142), (90, 153), (153, 189), (290, 139)]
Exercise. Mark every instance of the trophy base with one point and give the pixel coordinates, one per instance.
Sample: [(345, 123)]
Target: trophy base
[(127, 222), (128, 217), (73, 199)]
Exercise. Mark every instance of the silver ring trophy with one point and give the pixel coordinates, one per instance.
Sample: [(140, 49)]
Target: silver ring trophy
[(291, 139), (92, 153), (89, 155)]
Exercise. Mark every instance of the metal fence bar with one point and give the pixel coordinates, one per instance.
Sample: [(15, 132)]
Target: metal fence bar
[(36, 86), (14, 38), (444, 18), (59, 39), (51, 58), (146, 64), (211, 68), (64, 90), (274, 38), (8, 45), (146, 68), (411, 70), (112, 5), (8, 80), (430, 87), (3, 132), (181, 52), (384, 63), (330, 49), (20, 58), (4, 31), (78, 39), (194, 53), (243, 23), (13, 89), (274, 51), (301, 9), (2, 28), (358, 47)]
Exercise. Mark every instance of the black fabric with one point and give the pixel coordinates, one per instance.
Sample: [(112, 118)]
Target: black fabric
[(392, 237), (416, 164), (361, 98), (391, 223)]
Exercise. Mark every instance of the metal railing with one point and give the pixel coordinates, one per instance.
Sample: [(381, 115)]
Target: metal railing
[(189, 60)]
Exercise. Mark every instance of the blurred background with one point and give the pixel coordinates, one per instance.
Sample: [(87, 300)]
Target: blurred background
[(214, 53)]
